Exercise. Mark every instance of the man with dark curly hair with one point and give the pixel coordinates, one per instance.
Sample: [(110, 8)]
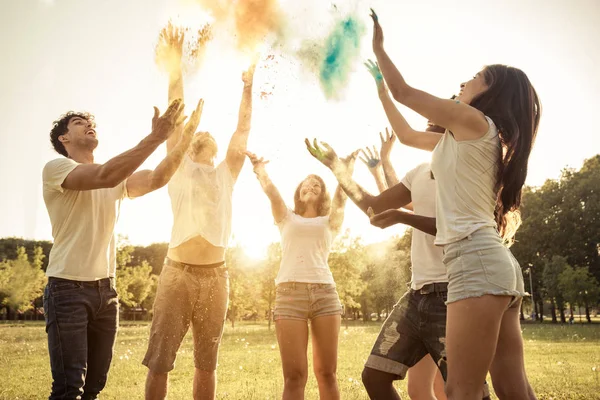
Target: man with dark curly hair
[(83, 200)]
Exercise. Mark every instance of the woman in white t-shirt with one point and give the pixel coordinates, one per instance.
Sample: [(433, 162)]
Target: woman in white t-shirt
[(480, 166), (305, 288)]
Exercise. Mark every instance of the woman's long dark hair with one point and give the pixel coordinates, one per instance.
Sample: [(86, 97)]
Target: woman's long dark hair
[(513, 104)]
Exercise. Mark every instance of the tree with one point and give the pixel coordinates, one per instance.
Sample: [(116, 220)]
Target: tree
[(267, 278), (21, 282), (243, 288), (552, 270), (9, 246), (135, 284), (386, 274), (579, 287), (154, 254), (346, 261)]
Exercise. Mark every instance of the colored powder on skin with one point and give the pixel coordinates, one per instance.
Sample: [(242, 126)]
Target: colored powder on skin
[(342, 49)]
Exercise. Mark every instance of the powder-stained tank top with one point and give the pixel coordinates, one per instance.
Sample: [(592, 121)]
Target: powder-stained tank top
[(201, 203), (465, 173)]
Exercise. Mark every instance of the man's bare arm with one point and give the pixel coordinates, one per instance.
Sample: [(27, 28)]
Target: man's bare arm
[(239, 140), (119, 168), (146, 181)]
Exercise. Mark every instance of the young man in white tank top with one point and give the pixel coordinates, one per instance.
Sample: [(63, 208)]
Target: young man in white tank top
[(194, 283)]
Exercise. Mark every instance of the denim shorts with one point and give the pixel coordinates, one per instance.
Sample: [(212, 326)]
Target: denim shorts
[(305, 301), (415, 327), (481, 264), (194, 296)]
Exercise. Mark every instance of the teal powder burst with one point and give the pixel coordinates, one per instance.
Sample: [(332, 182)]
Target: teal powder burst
[(342, 48)]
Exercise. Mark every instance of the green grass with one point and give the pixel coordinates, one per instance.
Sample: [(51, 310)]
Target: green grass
[(563, 362)]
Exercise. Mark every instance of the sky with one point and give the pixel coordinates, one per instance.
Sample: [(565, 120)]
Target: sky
[(99, 57)]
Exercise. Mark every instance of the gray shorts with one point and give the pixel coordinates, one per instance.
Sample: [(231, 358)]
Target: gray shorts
[(481, 264), (304, 301), (196, 296)]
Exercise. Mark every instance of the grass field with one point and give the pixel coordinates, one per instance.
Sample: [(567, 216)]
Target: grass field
[(563, 362)]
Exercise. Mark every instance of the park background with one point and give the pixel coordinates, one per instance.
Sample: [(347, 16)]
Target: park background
[(99, 57)]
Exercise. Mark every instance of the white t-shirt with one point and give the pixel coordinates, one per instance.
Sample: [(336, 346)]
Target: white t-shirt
[(426, 257), (305, 247), (201, 203), (465, 172), (83, 224)]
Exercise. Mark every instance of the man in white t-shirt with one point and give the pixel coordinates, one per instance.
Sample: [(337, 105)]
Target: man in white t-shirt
[(194, 283), (83, 200), (424, 378)]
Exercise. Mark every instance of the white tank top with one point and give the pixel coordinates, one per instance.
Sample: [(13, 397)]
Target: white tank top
[(201, 203), (305, 247), (465, 174)]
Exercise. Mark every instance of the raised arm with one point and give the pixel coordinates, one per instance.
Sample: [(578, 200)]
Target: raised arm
[(239, 140), (338, 203), (278, 206), (372, 160), (394, 197), (169, 53), (146, 181), (387, 143), (405, 133), (119, 168), (464, 121)]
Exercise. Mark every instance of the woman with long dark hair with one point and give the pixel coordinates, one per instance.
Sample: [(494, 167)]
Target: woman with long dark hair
[(480, 166)]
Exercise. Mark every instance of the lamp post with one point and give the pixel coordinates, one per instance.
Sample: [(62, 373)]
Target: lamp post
[(531, 290)]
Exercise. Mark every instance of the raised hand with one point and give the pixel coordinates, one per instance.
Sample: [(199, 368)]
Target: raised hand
[(349, 160), (258, 164), (192, 125), (325, 155), (375, 72), (248, 75), (170, 46), (377, 33), (370, 158), (387, 142), (164, 125)]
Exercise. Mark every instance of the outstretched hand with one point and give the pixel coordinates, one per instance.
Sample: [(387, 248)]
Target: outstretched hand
[(192, 124), (349, 160), (370, 158), (164, 125), (248, 75), (385, 219), (325, 155), (387, 142), (170, 45), (377, 33), (375, 72), (257, 163)]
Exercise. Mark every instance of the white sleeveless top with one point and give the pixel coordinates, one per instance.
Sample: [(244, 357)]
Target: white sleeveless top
[(465, 173), (201, 203), (305, 247)]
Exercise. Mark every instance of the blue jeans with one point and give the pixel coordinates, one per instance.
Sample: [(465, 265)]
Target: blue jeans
[(81, 323)]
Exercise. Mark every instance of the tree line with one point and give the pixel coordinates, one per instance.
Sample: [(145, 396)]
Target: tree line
[(558, 247)]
